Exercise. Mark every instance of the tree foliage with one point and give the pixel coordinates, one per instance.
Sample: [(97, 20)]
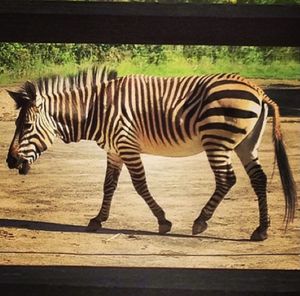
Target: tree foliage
[(21, 58)]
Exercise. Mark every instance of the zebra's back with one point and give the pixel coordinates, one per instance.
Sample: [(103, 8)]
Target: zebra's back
[(179, 116)]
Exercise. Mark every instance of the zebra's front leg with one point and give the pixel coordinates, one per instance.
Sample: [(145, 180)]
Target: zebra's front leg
[(136, 170), (225, 178), (113, 169)]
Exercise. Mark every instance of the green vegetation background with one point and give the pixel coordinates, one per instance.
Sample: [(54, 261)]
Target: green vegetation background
[(29, 61)]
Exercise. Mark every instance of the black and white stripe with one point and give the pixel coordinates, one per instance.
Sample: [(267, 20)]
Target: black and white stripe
[(175, 116)]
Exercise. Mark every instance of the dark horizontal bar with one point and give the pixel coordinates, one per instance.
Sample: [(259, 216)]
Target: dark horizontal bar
[(75, 280), (149, 23)]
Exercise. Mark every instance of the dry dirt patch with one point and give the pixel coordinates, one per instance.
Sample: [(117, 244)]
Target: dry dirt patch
[(43, 215)]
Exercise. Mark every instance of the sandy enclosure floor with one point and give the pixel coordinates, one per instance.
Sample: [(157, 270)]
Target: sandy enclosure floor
[(43, 215)]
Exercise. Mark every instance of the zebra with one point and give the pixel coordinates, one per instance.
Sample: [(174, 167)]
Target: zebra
[(169, 116)]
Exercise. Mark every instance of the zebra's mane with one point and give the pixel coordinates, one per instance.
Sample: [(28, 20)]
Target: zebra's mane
[(59, 84), (89, 77)]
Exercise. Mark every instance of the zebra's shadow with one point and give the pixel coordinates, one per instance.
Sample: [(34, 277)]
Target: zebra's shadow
[(58, 227)]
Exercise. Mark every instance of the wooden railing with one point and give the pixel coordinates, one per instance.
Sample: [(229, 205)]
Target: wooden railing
[(43, 21), (40, 21)]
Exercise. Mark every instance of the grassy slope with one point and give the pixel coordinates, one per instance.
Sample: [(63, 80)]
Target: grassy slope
[(174, 66)]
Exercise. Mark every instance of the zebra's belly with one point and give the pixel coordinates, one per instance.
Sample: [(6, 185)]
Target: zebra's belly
[(180, 149)]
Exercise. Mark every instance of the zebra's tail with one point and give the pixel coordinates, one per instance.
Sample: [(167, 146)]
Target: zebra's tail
[(286, 176)]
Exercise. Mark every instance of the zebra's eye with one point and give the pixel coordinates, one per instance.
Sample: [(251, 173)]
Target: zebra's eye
[(28, 125)]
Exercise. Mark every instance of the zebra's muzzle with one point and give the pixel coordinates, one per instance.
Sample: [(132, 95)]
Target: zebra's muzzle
[(18, 163), (24, 167)]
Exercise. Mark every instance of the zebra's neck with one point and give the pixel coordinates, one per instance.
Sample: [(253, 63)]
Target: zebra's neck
[(77, 113)]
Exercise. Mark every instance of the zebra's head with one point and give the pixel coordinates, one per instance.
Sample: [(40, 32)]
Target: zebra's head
[(34, 131)]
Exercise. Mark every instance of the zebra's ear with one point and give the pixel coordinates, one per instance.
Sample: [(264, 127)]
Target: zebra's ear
[(18, 97), (30, 90)]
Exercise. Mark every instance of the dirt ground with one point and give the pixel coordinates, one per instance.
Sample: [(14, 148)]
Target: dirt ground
[(43, 215)]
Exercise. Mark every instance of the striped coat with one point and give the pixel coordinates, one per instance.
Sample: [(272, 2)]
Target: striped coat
[(175, 116)]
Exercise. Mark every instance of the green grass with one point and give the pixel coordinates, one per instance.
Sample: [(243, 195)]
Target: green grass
[(175, 65), (41, 70), (178, 66)]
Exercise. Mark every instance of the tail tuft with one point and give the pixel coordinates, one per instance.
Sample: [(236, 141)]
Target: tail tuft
[(286, 176), (287, 180)]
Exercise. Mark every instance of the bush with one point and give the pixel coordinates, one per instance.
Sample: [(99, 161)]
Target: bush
[(18, 60)]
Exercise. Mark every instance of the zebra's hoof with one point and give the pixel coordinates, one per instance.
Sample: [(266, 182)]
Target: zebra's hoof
[(199, 227), (94, 226), (259, 235), (164, 227)]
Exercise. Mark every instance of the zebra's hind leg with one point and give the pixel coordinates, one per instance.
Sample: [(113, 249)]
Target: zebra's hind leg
[(259, 183), (220, 163), (247, 151), (136, 170), (113, 169)]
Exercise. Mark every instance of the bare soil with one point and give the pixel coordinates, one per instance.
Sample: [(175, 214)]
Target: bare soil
[(43, 215)]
